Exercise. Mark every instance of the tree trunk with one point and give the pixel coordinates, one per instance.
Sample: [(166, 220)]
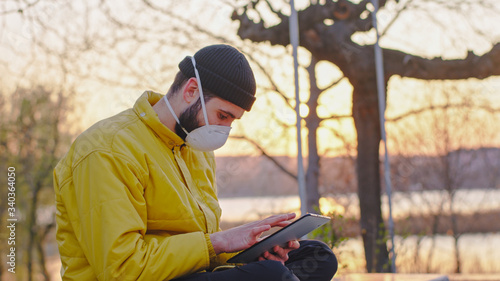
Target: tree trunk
[(366, 119), (32, 227), (312, 124), (41, 253)]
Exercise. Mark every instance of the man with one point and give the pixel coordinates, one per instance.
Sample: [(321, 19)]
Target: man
[(136, 195)]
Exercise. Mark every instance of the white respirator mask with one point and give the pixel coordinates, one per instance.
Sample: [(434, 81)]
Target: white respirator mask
[(207, 137)]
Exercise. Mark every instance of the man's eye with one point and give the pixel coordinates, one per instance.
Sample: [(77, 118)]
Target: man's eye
[(222, 116)]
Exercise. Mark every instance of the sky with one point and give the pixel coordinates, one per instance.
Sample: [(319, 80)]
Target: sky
[(110, 65)]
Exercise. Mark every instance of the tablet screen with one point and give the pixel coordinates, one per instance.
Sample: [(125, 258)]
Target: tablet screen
[(293, 231)]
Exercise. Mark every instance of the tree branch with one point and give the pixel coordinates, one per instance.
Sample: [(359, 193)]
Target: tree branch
[(274, 86), (345, 14), (442, 107), (333, 84), (279, 34), (21, 9), (473, 66), (264, 153), (393, 20), (336, 117), (187, 22)]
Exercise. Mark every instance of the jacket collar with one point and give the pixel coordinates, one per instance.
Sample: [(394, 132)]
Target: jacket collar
[(144, 109)]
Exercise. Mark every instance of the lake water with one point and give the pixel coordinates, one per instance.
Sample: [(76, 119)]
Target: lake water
[(478, 252), (404, 203)]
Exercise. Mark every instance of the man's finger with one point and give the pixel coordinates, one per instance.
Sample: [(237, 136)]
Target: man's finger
[(294, 244), (274, 257), (275, 220), (280, 252), (257, 231)]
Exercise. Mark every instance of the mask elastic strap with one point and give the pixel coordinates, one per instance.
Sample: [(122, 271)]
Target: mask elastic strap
[(173, 114), (200, 88)]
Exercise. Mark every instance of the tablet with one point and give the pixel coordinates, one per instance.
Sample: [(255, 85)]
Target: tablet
[(293, 231)]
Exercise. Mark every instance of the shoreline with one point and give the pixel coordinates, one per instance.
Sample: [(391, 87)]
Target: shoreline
[(480, 222)]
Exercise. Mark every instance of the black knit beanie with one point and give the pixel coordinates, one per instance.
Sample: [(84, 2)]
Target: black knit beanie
[(225, 72)]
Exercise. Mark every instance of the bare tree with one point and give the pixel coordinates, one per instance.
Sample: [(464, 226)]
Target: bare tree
[(326, 31), (33, 142), (441, 148)]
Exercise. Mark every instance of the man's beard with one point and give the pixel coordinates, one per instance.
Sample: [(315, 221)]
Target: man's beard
[(188, 119)]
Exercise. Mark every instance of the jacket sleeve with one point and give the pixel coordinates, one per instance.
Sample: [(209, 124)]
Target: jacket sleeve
[(221, 259), (109, 217)]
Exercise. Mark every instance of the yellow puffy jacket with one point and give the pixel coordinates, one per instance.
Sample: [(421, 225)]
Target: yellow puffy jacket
[(135, 203)]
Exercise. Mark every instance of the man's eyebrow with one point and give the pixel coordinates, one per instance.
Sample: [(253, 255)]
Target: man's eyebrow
[(228, 113)]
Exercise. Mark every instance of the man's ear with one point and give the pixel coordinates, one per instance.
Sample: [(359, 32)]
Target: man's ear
[(190, 92)]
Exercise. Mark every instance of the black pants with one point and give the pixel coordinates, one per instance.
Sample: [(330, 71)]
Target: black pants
[(314, 260)]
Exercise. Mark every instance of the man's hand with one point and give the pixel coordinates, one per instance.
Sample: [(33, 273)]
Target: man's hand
[(280, 254), (244, 236)]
